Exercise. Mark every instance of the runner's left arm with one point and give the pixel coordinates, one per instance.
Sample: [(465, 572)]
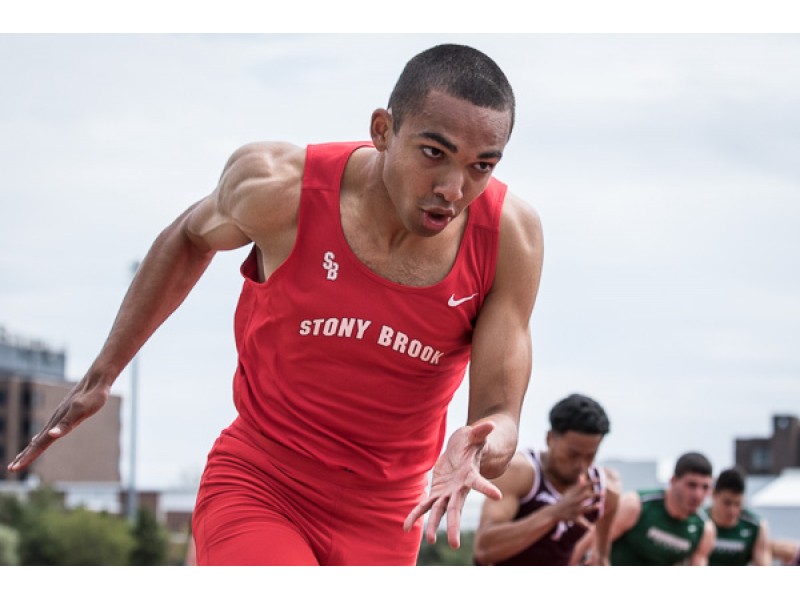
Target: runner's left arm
[(500, 370), (602, 537), (762, 551), (700, 556)]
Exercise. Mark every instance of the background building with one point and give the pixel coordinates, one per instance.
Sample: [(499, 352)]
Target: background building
[(32, 384), (84, 467), (770, 456)]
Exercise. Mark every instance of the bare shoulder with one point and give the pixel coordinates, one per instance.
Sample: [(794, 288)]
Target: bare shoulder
[(520, 224), (521, 242), (262, 179), (627, 514), (518, 477), (630, 503), (263, 159), (613, 480)]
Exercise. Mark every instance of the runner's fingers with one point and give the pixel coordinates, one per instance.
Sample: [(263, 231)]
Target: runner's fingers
[(486, 487), (581, 520), (454, 509), (478, 433), (434, 518), (419, 510), (68, 415), (37, 445)]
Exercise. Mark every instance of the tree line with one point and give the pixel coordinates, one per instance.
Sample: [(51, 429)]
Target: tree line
[(42, 531)]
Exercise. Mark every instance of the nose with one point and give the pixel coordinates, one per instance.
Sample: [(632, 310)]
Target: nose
[(450, 186)]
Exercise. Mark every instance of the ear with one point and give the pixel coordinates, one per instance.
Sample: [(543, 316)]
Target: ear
[(380, 129)]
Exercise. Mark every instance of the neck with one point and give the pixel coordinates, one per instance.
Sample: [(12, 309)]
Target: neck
[(550, 476), (368, 199), (711, 513), (672, 506)]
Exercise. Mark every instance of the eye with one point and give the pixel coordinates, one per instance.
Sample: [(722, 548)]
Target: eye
[(431, 152), (484, 167)]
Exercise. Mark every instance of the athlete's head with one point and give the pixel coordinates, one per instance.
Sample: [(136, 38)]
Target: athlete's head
[(457, 70), (579, 413), (577, 426), (690, 482), (444, 132), (728, 498)]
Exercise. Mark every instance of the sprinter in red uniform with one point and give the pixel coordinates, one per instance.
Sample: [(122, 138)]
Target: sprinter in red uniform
[(378, 271)]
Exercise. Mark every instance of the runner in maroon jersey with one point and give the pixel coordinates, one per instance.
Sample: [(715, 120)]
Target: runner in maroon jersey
[(378, 270), (554, 500)]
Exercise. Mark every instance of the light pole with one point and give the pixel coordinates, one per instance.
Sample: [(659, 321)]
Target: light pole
[(132, 499)]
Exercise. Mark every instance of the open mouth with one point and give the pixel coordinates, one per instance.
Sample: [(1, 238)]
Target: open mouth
[(437, 217), (436, 220)]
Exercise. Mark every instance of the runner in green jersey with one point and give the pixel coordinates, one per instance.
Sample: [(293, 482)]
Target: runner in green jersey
[(741, 535), (663, 527)]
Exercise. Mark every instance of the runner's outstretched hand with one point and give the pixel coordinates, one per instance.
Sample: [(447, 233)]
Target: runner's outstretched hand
[(456, 473), (82, 402)]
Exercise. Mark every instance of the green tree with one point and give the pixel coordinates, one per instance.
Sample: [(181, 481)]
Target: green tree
[(441, 554), (45, 498), (9, 541), (150, 540), (75, 538), (11, 510)]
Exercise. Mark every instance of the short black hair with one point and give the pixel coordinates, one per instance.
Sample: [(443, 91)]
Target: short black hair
[(692, 462), (579, 413), (731, 480), (461, 71)]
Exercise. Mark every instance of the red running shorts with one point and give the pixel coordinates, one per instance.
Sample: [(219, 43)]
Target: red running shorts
[(260, 503)]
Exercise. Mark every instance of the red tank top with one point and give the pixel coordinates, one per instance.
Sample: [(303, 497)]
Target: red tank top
[(343, 366)]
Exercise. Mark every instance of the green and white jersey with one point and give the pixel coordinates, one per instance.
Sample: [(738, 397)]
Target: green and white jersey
[(658, 538), (734, 545)]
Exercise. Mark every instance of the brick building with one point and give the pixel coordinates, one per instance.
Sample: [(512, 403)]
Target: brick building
[(32, 384), (772, 455)]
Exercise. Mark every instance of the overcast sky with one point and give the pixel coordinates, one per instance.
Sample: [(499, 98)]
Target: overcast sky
[(665, 168)]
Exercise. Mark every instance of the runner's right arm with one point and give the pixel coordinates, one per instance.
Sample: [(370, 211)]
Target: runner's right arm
[(173, 265)]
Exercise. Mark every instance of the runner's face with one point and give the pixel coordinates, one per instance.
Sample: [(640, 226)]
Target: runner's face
[(441, 159), (570, 454), (726, 508), (691, 490)]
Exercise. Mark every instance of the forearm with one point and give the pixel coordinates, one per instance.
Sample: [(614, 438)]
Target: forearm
[(762, 552), (762, 559), (698, 560), (602, 548), (499, 376), (602, 534), (501, 444), (581, 548), (165, 277), (501, 541), (700, 556), (496, 395)]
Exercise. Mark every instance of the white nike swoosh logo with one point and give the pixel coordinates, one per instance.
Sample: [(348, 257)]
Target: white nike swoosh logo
[(453, 302)]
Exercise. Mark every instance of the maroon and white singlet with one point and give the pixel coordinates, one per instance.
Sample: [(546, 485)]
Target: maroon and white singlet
[(556, 546)]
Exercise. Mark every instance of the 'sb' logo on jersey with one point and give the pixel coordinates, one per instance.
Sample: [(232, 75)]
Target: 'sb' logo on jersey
[(331, 266)]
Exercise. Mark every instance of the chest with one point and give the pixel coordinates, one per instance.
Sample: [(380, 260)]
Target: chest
[(659, 534), (407, 259), (412, 268)]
